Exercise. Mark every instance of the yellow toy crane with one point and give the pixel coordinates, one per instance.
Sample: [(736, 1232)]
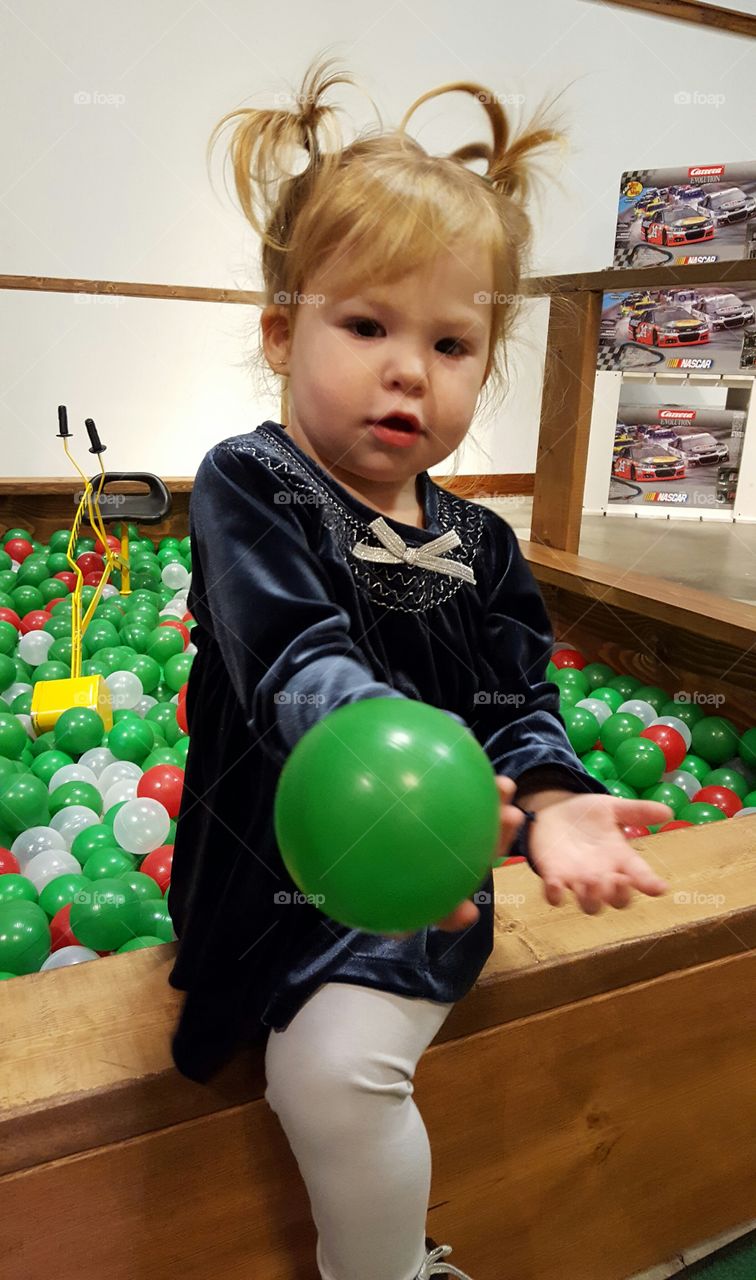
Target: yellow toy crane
[(52, 697)]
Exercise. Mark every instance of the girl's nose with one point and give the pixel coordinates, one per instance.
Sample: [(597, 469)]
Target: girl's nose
[(407, 370)]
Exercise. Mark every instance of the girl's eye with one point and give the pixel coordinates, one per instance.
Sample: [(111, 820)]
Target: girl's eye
[(455, 342), (364, 321)]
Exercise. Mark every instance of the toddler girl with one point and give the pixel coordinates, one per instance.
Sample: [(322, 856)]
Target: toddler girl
[(328, 566)]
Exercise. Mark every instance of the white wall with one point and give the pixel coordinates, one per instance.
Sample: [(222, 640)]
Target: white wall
[(118, 189)]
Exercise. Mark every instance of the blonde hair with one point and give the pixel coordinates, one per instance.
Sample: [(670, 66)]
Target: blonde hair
[(386, 204)]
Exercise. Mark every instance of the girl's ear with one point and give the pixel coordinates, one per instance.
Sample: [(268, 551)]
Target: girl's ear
[(276, 337)]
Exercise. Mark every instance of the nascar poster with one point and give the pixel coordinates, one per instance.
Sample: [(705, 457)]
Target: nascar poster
[(676, 456), (702, 213), (712, 327)]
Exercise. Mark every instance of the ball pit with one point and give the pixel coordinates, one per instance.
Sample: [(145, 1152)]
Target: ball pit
[(87, 816)]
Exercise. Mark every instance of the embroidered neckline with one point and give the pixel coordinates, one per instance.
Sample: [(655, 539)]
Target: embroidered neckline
[(406, 587)]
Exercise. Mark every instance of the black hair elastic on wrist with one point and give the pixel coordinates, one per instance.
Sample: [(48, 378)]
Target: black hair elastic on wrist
[(521, 845)]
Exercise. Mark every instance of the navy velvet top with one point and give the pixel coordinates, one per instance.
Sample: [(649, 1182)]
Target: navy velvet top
[(284, 607)]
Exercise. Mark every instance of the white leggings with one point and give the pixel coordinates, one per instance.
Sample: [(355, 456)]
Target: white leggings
[(339, 1078)]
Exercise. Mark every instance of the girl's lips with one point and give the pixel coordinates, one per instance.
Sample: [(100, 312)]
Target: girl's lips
[(387, 434)]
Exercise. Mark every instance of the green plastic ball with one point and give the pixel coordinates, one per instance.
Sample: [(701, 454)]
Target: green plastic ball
[(619, 727), (105, 916), (78, 729), (698, 812), (24, 937), (582, 728), (639, 762), (23, 804), (715, 739), (131, 739), (75, 793), (13, 736), (416, 824)]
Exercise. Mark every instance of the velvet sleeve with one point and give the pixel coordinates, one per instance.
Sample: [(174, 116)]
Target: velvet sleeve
[(259, 588), (522, 731)]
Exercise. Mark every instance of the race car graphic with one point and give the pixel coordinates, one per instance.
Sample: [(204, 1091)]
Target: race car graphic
[(688, 193), (649, 462), (703, 450), (623, 436), (653, 199), (732, 205), (657, 435), (669, 327), (726, 311), (638, 303), (677, 224)]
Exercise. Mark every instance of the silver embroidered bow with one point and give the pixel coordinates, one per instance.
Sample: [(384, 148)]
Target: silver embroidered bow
[(428, 556)]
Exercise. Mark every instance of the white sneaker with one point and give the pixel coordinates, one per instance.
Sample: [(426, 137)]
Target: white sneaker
[(434, 1265)]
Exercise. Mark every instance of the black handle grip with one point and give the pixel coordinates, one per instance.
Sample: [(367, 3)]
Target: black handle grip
[(96, 444), (63, 432)]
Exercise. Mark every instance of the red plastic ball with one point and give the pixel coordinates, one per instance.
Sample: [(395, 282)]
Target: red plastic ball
[(69, 578), (90, 562), (182, 691), (18, 549), (113, 542), (725, 799), (676, 822), (188, 617), (9, 863), (181, 719), (61, 934), (568, 658), (163, 782), (158, 864), (92, 579), (10, 615), (178, 626), (632, 832), (669, 740), (51, 603), (34, 621)]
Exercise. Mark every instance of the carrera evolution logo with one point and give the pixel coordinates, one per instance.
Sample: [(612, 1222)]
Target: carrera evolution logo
[(689, 362), (688, 258), (677, 414), (707, 172), (665, 495)]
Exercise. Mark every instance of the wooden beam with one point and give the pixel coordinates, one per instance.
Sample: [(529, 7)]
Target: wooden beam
[(702, 15), (565, 421)]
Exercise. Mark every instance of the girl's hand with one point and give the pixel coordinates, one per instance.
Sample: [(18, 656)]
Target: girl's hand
[(577, 844), (510, 819)]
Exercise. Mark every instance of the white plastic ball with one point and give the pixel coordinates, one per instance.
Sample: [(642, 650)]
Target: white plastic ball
[(674, 722), (66, 956), (741, 813), (97, 759), (143, 705), (26, 721), (50, 864), (126, 789), (141, 825), (192, 648), (125, 689), (15, 690), (643, 710), (687, 782), (72, 773), (35, 646), (108, 591), (35, 841), (175, 576), (69, 822), (116, 772), (598, 708)]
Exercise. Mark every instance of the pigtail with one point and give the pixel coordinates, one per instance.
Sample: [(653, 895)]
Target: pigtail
[(509, 172), (265, 141)]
